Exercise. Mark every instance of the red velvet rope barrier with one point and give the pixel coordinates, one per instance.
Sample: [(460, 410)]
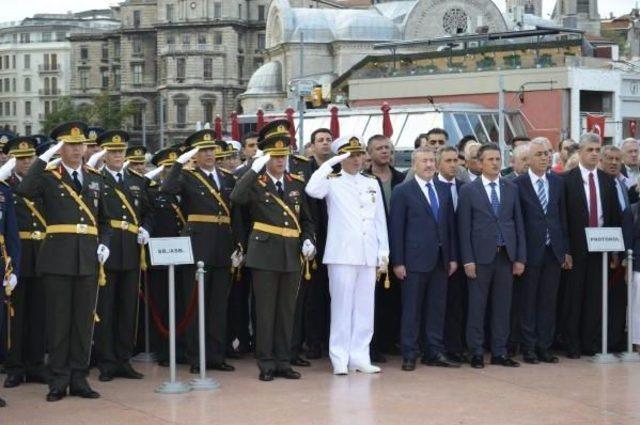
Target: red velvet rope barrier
[(155, 314)]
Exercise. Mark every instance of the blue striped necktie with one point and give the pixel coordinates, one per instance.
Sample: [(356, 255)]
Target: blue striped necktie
[(495, 204), (433, 201), (544, 203)]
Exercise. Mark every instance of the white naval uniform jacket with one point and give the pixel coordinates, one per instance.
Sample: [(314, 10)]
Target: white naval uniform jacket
[(357, 225)]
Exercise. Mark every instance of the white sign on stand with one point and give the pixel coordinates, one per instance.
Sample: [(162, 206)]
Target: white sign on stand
[(604, 240), (170, 251)]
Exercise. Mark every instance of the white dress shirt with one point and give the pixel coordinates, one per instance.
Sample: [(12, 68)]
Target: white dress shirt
[(275, 180), (487, 186), (534, 181), (71, 170), (115, 173), (213, 173), (423, 186), (585, 184), (454, 189)]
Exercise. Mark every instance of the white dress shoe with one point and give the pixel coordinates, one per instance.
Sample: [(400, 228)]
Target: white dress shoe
[(340, 371), (367, 368)]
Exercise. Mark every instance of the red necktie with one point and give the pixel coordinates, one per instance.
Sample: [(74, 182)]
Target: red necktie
[(593, 202)]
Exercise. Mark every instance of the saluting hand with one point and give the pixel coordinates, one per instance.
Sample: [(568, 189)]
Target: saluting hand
[(185, 157), (7, 168), (336, 159), (259, 163), (48, 154), (93, 159)]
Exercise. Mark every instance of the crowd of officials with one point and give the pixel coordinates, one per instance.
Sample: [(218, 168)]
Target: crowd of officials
[(332, 251)]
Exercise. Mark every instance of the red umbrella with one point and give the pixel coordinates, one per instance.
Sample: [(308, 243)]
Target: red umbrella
[(218, 127), (335, 122), (387, 128), (292, 127), (260, 121), (235, 127)]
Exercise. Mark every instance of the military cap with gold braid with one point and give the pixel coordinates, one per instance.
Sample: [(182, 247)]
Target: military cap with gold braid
[(166, 156), (92, 134), (275, 139), (347, 144), (21, 147), (72, 132), (5, 137), (206, 139), (136, 154), (113, 140)]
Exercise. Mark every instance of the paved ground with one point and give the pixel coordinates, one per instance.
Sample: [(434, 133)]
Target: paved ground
[(574, 392)]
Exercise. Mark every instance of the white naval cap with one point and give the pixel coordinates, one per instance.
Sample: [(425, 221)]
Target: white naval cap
[(349, 143)]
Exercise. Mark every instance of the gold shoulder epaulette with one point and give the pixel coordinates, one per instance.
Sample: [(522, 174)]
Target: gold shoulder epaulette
[(227, 172), (135, 173), (92, 170), (301, 157), (153, 183), (5, 183), (297, 177), (333, 175), (50, 167)]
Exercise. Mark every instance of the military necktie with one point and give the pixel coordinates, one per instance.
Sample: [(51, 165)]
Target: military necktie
[(76, 181), (280, 189)]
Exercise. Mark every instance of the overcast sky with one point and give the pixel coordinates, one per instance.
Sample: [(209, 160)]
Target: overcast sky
[(24, 8)]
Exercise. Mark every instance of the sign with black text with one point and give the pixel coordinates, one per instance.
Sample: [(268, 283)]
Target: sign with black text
[(170, 251), (604, 239)]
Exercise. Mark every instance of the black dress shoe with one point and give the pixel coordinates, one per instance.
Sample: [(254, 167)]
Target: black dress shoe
[(266, 376), (12, 381), (287, 374), (2, 403), (504, 361), (222, 366), (377, 357), (477, 362), (126, 371), (458, 357), (299, 361), (83, 392), (530, 357), (56, 394), (439, 361), (105, 376), (547, 357), (408, 365), (314, 353), (573, 355)]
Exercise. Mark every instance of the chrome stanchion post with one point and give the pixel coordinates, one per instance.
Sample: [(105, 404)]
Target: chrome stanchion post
[(630, 355), (604, 356), (147, 356), (173, 386), (202, 382)]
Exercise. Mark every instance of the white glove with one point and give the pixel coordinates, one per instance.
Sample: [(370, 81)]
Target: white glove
[(11, 283), (7, 168), (185, 157), (237, 258), (153, 173), (55, 162), (95, 158), (259, 163), (198, 126), (103, 254), (308, 250), (258, 154), (48, 154), (336, 159), (143, 236)]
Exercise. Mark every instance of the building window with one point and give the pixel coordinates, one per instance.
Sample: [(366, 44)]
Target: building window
[(105, 52), (261, 10), (217, 37), (13, 104), (54, 85), (138, 117), (84, 53), (137, 75), (84, 78), (27, 130), (13, 61), (171, 40), (6, 62), (46, 37), (105, 78), (1, 109), (136, 18), (257, 63), (7, 83), (27, 61), (202, 38), (27, 84), (207, 107), (169, 12), (47, 108), (47, 87), (261, 42), (25, 37), (207, 68), (116, 50), (54, 61), (240, 67), (116, 78), (217, 10), (7, 108), (180, 69), (14, 86), (27, 108), (240, 11), (186, 39), (181, 114), (137, 47), (61, 36)]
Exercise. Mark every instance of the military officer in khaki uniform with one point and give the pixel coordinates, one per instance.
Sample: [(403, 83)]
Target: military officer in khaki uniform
[(215, 230), (136, 158), (25, 360), (91, 146), (282, 229), (78, 233), (126, 196)]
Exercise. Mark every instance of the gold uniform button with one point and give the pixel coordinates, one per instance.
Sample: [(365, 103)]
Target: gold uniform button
[(286, 223), (123, 207), (81, 218)]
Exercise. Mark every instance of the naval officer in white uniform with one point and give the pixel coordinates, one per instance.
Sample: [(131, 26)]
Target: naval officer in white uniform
[(357, 244)]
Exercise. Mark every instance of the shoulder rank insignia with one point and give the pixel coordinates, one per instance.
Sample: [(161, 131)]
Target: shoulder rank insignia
[(301, 158), (92, 170), (135, 173), (334, 175), (262, 180)]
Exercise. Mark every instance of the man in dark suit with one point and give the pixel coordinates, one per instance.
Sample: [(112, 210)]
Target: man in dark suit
[(542, 199), (492, 244), (456, 312), (214, 227), (591, 202), (424, 254)]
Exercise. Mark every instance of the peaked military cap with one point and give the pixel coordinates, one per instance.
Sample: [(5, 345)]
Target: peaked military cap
[(206, 139), (347, 144), (274, 138), (136, 154), (113, 140), (21, 147), (166, 156), (5, 136), (92, 134), (72, 132)]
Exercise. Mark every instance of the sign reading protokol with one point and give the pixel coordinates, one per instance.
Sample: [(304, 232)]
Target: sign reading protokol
[(170, 251), (604, 239)]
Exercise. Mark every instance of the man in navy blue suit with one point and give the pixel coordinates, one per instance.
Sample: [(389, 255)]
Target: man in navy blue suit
[(492, 246), (542, 200), (423, 252)]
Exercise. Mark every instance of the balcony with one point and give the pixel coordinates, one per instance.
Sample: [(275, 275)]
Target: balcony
[(49, 69), (172, 49), (49, 92)]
